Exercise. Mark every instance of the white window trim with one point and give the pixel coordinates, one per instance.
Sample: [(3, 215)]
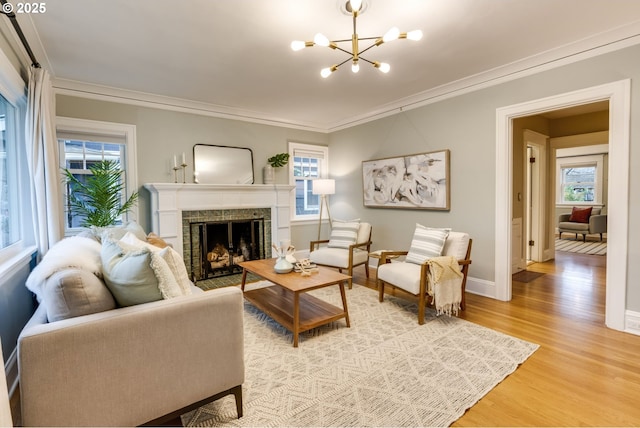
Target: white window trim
[(13, 88), (98, 128), (578, 161), (324, 173)]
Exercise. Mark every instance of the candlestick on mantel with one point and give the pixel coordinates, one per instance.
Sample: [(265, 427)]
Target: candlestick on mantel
[(184, 168), (175, 169)]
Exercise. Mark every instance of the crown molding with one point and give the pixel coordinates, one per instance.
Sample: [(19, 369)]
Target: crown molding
[(598, 44), (593, 46), (143, 99)]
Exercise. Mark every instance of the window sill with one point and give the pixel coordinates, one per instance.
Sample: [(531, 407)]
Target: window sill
[(16, 261)]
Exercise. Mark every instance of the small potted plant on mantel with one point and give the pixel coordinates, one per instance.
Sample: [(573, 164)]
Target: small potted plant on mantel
[(275, 161)]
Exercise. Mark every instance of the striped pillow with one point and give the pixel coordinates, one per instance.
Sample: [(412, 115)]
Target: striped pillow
[(343, 233), (427, 243)]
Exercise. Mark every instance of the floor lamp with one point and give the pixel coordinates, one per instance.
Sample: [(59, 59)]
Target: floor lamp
[(323, 187)]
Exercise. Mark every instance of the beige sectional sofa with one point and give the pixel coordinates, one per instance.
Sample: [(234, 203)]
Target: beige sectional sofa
[(98, 365)]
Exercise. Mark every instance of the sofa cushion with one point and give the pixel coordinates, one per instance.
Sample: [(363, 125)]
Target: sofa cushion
[(74, 292), (176, 284), (580, 215), (337, 257), (343, 233), (128, 273), (427, 242)]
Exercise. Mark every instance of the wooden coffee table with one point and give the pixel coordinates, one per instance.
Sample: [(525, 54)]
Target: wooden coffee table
[(287, 301)]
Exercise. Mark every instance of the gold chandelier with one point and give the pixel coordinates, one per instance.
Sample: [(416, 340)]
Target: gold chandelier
[(355, 55)]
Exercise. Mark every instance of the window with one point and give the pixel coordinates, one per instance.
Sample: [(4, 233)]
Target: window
[(308, 163), (83, 143), (9, 189), (580, 180)]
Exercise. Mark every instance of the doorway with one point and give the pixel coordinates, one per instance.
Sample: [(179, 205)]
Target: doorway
[(618, 95)]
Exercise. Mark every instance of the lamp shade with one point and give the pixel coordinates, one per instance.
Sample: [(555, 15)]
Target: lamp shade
[(324, 186)]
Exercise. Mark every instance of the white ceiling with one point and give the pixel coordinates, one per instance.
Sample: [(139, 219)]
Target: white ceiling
[(233, 56)]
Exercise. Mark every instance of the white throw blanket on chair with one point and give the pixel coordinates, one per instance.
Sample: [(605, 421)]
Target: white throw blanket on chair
[(444, 283)]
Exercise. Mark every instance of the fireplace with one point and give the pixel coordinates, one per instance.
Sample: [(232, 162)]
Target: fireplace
[(217, 240), (174, 206), (224, 244)]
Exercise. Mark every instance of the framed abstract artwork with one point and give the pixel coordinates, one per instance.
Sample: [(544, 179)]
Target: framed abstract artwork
[(418, 181)]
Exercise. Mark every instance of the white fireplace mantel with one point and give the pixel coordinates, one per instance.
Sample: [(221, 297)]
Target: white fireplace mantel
[(168, 200)]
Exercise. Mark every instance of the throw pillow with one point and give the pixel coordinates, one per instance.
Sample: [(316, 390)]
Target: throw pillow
[(343, 233), (427, 242), (72, 252), (156, 241), (128, 273), (73, 292), (176, 284), (580, 215), (117, 232)]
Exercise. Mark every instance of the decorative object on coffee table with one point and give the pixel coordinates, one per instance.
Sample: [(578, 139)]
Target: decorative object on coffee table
[(283, 265)]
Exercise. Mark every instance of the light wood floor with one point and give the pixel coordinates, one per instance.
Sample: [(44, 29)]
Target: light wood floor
[(583, 374)]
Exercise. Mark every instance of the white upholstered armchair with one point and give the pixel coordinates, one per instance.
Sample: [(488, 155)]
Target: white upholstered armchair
[(348, 247), (411, 276)]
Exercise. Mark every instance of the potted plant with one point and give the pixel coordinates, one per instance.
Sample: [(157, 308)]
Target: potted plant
[(98, 199), (276, 161)]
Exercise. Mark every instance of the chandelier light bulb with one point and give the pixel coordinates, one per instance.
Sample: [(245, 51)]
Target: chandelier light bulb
[(355, 67), (382, 66), (326, 72), (321, 40), (355, 5), (392, 34), (414, 35), (297, 45)]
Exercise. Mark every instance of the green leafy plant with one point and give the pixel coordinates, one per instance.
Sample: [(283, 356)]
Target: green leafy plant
[(99, 200), (281, 159)]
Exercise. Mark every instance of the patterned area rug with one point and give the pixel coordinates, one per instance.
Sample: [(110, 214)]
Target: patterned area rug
[(386, 370), (573, 246)]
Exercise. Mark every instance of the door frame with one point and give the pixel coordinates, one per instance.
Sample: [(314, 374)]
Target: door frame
[(619, 96)]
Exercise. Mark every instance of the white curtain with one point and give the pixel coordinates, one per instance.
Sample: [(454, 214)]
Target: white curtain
[(42, 158)]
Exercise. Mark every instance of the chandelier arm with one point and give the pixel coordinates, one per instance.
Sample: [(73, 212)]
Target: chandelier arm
[(344, 50), (345, 61), (366, 49), (364, 59)]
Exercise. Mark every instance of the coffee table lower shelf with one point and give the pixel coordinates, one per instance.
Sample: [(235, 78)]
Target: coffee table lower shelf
[(280, 305)]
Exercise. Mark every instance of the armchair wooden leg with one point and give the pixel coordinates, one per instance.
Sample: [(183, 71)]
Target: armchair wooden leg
[(421, 309), (366, 265), (380, 291)]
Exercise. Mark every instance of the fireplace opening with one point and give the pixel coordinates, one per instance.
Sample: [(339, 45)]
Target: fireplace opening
[(224, 244)]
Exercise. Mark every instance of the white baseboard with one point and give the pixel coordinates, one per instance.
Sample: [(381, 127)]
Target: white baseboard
[(481, 287), (632, 322)]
